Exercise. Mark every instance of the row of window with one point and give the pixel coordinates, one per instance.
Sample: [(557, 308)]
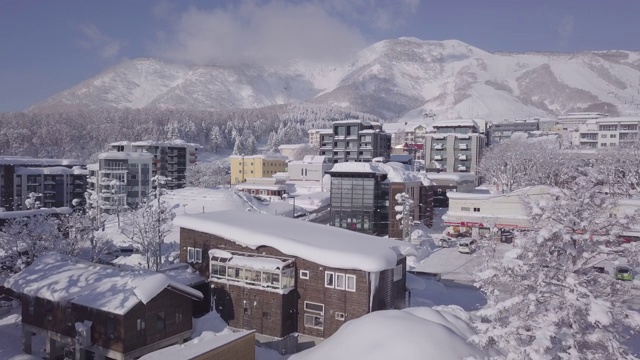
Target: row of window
[(611, 136), (466, 208), (339, 281)]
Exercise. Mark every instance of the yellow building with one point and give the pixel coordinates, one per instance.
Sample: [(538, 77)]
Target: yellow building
[(256, 166)]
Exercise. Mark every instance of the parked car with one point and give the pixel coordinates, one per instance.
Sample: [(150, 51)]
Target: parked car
[(467, 246), (444, 242), (624, 273)]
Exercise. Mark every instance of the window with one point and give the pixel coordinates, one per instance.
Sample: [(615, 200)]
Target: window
[(316, 319), (160, 320), (328, 279), (111, 327), (340, 316), (397, 273), (140, 326), (304, 274), (613, 136), (314, 307), (68, 315), (476, 209), (194, 255), (49, 309), (603, 136), (32, 305), (266, 315), (339, 281), (351, 282), (465, 208), (179, 315), (603, 145)]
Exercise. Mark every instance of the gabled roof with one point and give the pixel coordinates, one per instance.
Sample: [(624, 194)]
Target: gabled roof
[(325, 245), (62, 278)]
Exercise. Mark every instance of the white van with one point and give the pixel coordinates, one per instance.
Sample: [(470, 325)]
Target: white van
[(466, 246)]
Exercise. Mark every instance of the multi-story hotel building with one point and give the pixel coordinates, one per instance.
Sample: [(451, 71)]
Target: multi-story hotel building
[(53, 182), (355, 141), (456, 146), (120, 179), (607, 132), (572, 121), (170, 158), (256, 166)]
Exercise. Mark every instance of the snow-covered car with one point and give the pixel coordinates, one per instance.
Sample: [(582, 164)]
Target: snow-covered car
[(466, 246), (624, 273), (444, 242)]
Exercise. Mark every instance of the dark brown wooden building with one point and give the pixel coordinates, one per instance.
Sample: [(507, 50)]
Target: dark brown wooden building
[(100, 311), (279, 275)]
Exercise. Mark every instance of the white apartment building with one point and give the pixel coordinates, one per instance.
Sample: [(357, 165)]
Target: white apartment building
[(312, 168), (574, 120), (456, 146), (120, 179), (170, 158), (607, 132), (314, 136)]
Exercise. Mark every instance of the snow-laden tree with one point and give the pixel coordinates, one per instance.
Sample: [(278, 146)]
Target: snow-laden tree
[(206, 175), (547, 299), (24, 239), (519, 162), (32, 201), (304, 150), (404, 214), (147, 228), (80, 229), (621, 167)]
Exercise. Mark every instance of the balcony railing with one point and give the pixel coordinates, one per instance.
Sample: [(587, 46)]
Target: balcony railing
[(262, 271), (462, 168), (438, 147), (463, 147), (462, 157), (437, 157)]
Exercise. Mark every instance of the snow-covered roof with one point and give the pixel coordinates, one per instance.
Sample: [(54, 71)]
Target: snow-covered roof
[(310, 159), (582, 115), (27, 160), (169, 143), (356, 121), (42, 211), (319, 130), (270, 156), (202, 344), (451, 176), (62, 278), (254, 262), (128, 155), (53, 170), (441, 333), (538, 189), (614, 120), (260, 187), (456, 122), (322, 244), (291, 146), (396, 172), (183, 274), (404, 126)]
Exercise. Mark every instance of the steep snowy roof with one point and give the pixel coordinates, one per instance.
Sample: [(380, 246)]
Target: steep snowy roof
[(42, 211), (62, 278), (202, 344), (122, 155), (27, 160), (322, 244), (418, 333)]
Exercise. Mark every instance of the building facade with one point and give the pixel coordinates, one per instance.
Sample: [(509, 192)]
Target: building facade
[(502, 131), (53, 182), (456, 146), (363, 198), (120, 179), (266, 188), (105, 313), (267, 272), (355, 141), (170, 158), (315, 136), (256, 166), (607, 132), (572, 121), (312, 168)]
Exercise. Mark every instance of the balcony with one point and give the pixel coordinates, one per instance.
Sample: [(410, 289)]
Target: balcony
[(439, 136), (437, 157), (462, 157), (462, 168), (463, 147), (463, 136), (262, 271), (438, 147)]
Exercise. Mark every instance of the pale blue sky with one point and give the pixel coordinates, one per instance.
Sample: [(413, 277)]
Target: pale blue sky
[(48, 46)]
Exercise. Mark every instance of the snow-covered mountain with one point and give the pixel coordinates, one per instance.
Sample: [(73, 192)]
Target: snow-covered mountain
[(400, 78)]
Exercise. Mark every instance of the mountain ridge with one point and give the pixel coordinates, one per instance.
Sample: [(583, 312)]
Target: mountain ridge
[(395, 78)]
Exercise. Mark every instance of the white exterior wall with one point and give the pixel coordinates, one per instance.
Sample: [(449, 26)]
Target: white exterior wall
[(299, 171), (606, 138)]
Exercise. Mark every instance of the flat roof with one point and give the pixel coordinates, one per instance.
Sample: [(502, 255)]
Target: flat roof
[(122, 155), (28, 160), (325, 245), (169, 143)]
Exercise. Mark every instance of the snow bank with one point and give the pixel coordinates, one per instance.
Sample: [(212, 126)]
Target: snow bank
[(416, 333), (200, 345), (322, 244)]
